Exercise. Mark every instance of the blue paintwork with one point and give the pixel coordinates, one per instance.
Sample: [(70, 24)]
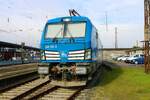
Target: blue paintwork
[(63, 45), (79, 61), (139, 60)]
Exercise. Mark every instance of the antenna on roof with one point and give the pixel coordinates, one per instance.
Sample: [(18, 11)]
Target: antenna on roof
[(72, 12)]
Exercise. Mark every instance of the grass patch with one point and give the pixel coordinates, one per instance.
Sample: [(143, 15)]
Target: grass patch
[(123, 83)]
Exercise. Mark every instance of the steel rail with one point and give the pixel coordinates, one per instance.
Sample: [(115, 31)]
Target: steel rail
[(44, 92), (30, 91), (76, 93), (14, 85)]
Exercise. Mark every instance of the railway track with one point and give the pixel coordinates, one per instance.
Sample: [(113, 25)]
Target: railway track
[(40, 89), (46, 91), (14, 93), (58, 93), (11, 83)]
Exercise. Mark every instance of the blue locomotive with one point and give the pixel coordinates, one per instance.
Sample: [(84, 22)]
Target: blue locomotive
[(71, 51)]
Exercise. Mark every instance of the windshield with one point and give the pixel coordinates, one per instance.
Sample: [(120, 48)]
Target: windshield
[(65, 30)]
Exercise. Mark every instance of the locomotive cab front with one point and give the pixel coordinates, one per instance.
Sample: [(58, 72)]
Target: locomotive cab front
[(66, 51)]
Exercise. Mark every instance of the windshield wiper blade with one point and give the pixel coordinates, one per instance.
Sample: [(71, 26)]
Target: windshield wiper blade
[(71, 37), (54, 39)]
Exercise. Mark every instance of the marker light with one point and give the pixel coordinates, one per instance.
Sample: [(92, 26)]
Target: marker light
[(42, 55), (88, 54), (66, 20)]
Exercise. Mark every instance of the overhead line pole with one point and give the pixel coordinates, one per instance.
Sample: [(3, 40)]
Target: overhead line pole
[(116, 37), (147, 35), (106, 19)]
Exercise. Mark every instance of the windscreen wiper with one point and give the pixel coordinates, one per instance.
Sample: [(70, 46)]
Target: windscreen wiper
[(71, 37), (55, 38)]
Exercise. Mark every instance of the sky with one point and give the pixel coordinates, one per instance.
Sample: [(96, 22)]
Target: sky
[(23, 20)]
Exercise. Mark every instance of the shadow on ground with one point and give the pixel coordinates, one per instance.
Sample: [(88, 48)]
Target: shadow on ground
[(108, 72)]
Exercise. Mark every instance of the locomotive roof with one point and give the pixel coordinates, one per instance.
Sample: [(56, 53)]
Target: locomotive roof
[(72, 18)]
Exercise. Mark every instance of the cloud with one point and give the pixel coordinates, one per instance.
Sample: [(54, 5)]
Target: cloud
[(30, 16)]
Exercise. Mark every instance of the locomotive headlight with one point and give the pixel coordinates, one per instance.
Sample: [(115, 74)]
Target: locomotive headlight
[(88, 54), (42, 55)]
